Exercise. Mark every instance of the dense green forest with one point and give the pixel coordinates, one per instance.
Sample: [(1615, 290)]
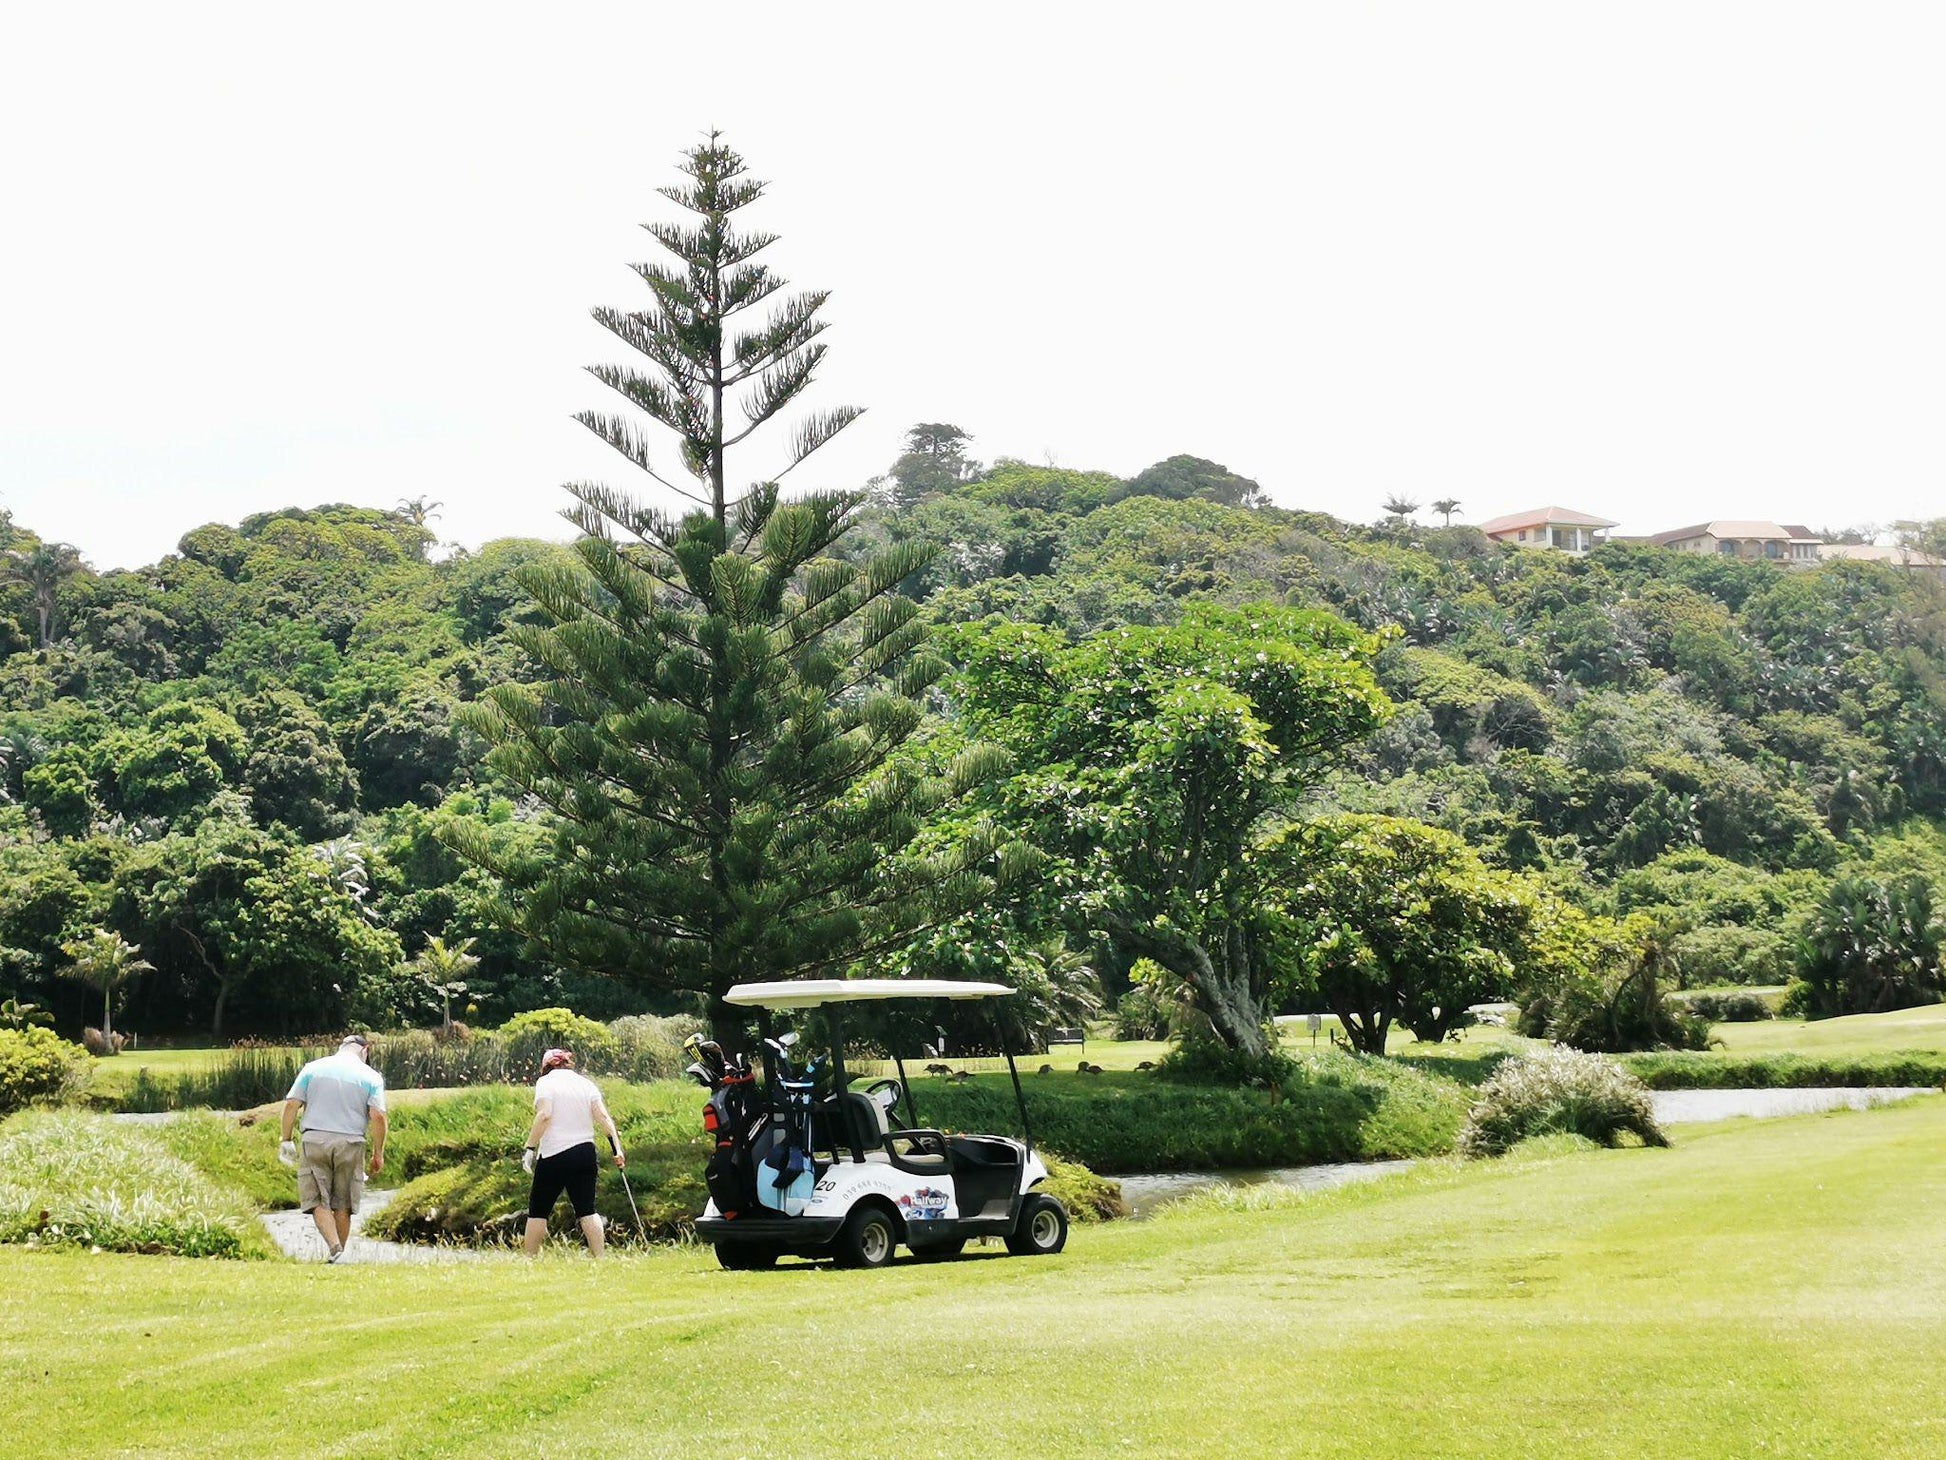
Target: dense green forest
[(249, 758)]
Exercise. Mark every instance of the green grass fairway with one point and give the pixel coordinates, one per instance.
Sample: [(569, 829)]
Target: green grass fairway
[(1922, 1028), (1776, 1288)]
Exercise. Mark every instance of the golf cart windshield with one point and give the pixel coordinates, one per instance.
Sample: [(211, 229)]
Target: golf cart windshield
[(810, 993)]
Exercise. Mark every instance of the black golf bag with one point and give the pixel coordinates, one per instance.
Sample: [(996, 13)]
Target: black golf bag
[(733, 1117)]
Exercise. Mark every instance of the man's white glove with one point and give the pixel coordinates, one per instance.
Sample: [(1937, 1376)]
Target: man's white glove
[(527, 1159), (287, 1153)]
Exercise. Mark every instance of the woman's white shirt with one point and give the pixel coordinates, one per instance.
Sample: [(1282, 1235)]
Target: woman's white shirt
[(570, 1101)]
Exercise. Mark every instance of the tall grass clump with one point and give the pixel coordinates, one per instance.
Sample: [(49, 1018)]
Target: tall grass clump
[(1559, 1092), (249, 1075), (640, 1048), (69, 1179)]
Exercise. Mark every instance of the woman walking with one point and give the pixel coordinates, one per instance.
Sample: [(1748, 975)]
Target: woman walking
[(561, 1148)]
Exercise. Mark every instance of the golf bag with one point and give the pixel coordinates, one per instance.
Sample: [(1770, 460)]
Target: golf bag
[(731, 1118), (787, 1172)]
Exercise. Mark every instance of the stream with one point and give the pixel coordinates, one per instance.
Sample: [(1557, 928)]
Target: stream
[(1145, 1192)]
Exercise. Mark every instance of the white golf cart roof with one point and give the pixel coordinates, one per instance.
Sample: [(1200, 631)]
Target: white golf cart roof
[(808, 993)]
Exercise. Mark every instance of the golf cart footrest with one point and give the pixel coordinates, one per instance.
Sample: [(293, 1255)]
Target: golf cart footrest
[(788, 1232)]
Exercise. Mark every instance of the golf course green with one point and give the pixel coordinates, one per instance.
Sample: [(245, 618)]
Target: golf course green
[(1762, 1288)]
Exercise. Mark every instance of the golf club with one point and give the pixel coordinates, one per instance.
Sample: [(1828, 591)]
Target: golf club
[(640, 1234)]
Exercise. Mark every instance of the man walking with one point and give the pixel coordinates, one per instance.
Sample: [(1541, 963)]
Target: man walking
[(561, 1149), (338, 1095)]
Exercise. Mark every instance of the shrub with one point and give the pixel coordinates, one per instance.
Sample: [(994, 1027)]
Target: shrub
[(1206, 1061), (37, 1066), (1140, 1015), (650, 1048), (1603, 987), (100, 1045), (1735, 1006), (1873, 946), (1797, 1002), (1560, 1091), (1088, 1197), (530, 1035), (68, 1179), (1158, 1004)]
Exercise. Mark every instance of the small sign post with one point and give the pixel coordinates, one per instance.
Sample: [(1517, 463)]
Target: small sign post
[(1316, 1021)]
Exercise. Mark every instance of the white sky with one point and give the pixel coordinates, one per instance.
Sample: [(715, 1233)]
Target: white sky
[(1662, 261)]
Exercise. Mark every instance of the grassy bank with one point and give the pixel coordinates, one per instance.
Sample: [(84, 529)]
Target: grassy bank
[(68, 1179), (1710, 1070), (1339, 1107), (1613, 1304)]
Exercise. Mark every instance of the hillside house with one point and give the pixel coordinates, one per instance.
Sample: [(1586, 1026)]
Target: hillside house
[(1560, 529), (1787, 546)]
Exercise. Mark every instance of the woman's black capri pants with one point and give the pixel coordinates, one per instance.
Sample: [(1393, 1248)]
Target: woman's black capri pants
[(573, 1171)]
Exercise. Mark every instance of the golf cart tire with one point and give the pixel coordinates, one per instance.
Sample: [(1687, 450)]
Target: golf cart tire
[(1042, 1229), (869, 1237), (746, 1256)]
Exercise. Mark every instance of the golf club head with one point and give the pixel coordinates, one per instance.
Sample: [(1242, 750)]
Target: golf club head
[(700, 1075), (781, 1048)]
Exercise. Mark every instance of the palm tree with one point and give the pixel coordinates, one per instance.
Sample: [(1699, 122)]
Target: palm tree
[(1401, 507), (44, 567), (417, 510), (1059, 988), (442, 970), (1446, 507), (105, 961)]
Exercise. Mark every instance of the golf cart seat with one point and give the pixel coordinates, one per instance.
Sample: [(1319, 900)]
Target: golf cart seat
[(910, 1150)]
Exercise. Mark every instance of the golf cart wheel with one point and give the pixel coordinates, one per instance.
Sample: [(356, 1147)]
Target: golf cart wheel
[(1042, 1229), (868, 1238), (746, 1256)]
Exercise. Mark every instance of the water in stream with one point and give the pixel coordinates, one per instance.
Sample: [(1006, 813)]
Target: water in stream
[(1144, 1193)]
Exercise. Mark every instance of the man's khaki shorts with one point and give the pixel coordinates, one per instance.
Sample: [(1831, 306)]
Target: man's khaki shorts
[(331, 1171)]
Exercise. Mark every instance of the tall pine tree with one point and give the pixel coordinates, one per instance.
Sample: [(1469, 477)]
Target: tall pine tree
[(724, 696)]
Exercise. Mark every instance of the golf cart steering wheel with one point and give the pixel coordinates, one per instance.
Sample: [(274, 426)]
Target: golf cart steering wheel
[(892, 1085)]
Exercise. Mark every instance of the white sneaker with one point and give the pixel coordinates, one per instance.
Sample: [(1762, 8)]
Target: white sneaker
[(334, 1254)]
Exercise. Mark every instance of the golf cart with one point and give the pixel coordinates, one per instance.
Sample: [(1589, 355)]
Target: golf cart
[(813, 1169)]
